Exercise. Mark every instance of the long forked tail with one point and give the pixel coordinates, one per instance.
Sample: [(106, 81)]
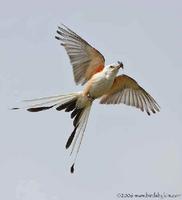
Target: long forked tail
[(77, 104), (45, 103)]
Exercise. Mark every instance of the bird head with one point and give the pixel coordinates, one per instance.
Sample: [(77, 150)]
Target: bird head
[(113, 69)]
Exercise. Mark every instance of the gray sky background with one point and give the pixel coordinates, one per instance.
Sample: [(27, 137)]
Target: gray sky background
[(123, 150)]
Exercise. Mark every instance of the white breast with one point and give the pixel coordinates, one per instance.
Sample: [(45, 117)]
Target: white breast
[(100, 85)]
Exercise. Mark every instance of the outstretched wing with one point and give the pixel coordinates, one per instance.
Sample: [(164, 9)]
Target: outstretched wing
[(126, 90), (85, 59)]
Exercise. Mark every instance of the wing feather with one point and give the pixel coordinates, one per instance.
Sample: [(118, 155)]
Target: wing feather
[(85, 59), (126, 90)]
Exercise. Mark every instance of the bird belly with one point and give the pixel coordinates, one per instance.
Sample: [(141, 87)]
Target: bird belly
[(99, 87)]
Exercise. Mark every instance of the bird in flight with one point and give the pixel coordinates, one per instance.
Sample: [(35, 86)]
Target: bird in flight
[(100, 82)]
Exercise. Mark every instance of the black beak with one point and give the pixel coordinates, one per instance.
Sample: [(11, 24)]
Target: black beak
[(120, 65)]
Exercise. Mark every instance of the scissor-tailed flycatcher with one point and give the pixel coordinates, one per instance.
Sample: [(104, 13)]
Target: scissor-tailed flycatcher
[(100, 82)]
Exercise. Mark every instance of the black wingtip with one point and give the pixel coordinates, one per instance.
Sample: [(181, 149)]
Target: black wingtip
[(58, 38), (148, 113), (72, 168), (58, 32), (153, 111)]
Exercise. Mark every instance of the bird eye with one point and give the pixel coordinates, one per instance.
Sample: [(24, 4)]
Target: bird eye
[(111, 67)]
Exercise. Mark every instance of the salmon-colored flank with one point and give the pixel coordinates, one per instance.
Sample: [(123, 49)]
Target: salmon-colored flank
[(93, 70), (98, 69)]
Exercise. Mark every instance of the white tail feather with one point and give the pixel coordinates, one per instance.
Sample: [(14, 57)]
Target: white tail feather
[(48, 101), (80, 133), (79, 106), (52, 97)]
